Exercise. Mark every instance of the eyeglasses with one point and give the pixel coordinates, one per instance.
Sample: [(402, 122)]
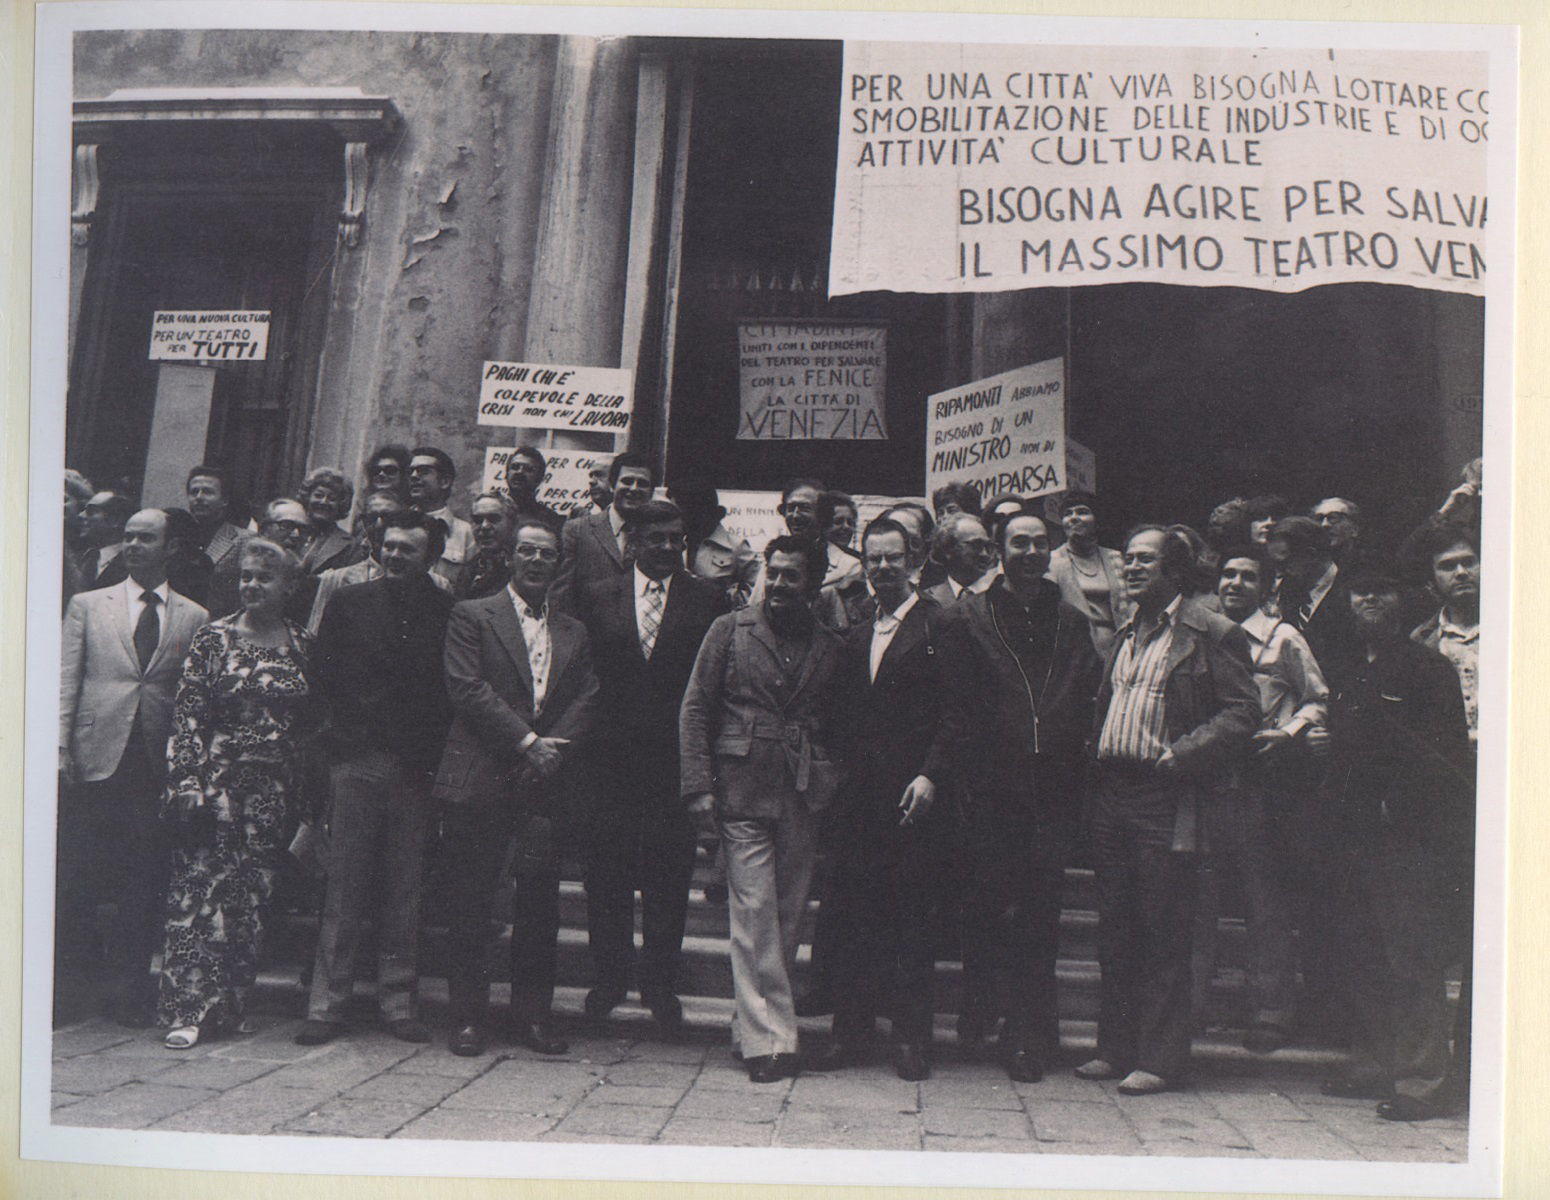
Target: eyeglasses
[(537, 553), (287, 526), (387, 468), (423, 469)]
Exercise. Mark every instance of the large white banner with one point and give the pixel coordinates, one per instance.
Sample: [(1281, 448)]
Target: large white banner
[(979, 168), (1006, 433)]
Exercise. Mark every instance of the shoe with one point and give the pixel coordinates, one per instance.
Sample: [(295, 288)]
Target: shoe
[(815, 1003), (184, 1037), (409, 1029), (1024, 1066), (762, 1069), (540, 1040), (1357, 1089), (315, 1033), (715, 893), (467, 1042), (788, 1065), (1411, 1108), (602, 1001), (909, 1062), (836, 1056), (1142, 1083), (1098, 1068), (1265, 1038), (667, 1011)]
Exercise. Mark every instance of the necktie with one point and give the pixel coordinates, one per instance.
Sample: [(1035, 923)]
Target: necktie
[(651, 621), (147, 629)]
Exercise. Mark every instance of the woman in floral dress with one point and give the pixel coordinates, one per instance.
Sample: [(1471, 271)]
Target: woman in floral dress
[(241, 709)]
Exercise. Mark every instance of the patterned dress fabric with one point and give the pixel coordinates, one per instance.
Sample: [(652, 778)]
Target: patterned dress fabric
[(239, 717)]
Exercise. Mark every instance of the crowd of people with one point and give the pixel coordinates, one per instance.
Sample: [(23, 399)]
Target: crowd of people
[(924, 721)]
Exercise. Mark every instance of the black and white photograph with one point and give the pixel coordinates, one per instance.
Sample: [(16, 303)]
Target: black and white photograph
[(739, 597)]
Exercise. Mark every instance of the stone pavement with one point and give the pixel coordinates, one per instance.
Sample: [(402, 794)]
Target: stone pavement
[(619, 1085)]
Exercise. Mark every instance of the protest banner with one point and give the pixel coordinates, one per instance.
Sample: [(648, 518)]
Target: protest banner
[(811, 380), (548, 396), (1002, 434), (966, 168), (199, 337), (566, 485)]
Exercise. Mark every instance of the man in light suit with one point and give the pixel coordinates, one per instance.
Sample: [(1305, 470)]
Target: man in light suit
[(122, 657), (757, 734), (593, 550), (523, 694), (645, 629)]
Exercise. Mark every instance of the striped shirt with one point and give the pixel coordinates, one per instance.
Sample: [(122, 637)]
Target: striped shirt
[(1135, 729)]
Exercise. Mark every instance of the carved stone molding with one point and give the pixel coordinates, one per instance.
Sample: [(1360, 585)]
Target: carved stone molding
[(352, 215), (85, 185)]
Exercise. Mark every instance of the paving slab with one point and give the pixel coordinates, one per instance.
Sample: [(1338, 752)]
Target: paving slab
[(520, 1087), (149, 1044), (253, 1108), (1187, 1131), (856, 1090), (344, 1117), (701, 1131), (427, 1091), (93, 1075), (90, 1037), (438, 1060), (827, 1131), (133, 1106), (1083, 1124), (661, 1096), (754, 1105), (476, 1125), (1261, 1105), (641, 1073), (973, 1145), (1297, 1139), (950, 1092), (221, 1074), (589, 1119), (978, 1123)]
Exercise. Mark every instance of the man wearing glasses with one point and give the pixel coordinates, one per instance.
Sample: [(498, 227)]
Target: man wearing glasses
[(523, 694), (431, 475)]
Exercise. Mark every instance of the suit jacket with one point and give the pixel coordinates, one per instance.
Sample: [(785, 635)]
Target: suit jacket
[(189, 574), (101, 685), (589, 559), (639, 699), (893, 728), (1211, 709), (378, 665), (225, 542), (757, 735), (1063, 572), (490, 686), (331, 548)]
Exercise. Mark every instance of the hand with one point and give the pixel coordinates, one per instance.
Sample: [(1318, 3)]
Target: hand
[(1318, 740), (543, 756), (1272, 741), (702, 808), (1167, 764), (918, 799)]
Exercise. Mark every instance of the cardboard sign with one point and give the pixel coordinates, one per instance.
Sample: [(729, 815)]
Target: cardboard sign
[(1002, 434), (566, 485), (811, 380), (981, 168), (200, 337), (546, 396)]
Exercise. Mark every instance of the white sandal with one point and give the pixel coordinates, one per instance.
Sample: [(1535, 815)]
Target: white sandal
[(184, 1037)]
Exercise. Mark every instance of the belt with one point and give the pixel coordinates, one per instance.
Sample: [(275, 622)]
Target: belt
[(795, 738)]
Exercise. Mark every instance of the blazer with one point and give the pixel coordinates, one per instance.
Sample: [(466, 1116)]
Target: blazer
[(756, 735), (101, 686), (589, 559), (378, 665), (639, 698), (490, 687), (331, 548), (1064, 573), (893, 727)]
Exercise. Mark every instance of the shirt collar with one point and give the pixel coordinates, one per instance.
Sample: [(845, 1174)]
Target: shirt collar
[(887, 621), (642, 580), (1461, 633), (1259, 625), (524, 608), (615, 521)]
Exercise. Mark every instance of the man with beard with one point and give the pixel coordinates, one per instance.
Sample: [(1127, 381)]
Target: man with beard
[(1020, 673), (489, 570), (756, 734), (593, 548), (523, 693), (326, 495), (893, 841), (431, 476), (218, 537), (526, 470), (378, 668), (1403, 785), (122, 655), (646, 628), (1176, 710)]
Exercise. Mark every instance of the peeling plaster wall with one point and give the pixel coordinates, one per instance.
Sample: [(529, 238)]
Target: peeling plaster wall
[(442, 277)]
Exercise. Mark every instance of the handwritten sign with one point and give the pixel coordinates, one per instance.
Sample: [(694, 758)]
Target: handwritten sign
[(1002, 434), (1081, 476), (202, 337), (566, 485), (811, 381), (968, 168), (546, 396)]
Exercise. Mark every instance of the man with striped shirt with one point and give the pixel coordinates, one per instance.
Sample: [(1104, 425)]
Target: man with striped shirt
[(1176, 710)]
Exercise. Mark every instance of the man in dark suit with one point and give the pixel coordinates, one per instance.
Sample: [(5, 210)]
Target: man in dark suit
[(102, 527), (645, 628), (758, 737), (488, 569), (218, 537), (1309, 592), (122, 656), (378, 667), (893, 843), (593, 546), (1021, 674), (524, 697), (1177, 708)]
